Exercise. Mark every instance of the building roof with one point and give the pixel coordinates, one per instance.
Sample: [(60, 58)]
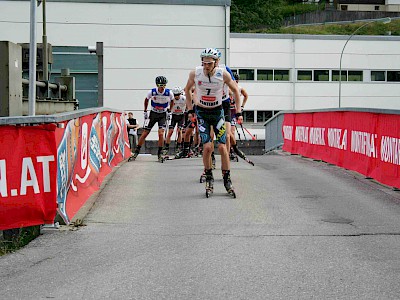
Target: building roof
[(171, 2)]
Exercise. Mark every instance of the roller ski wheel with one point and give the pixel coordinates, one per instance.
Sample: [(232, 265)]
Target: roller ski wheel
[(209, 184), (133, 157), (228, 185), (181, 154), (249, 161), (244, 157), (232, 193), (209, 190), (203, 178)]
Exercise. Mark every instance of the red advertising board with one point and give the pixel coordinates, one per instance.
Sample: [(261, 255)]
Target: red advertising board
[(368, 143), (27, 182), (48, 167), (88, 149)]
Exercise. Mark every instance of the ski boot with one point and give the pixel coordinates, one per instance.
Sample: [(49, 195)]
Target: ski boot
[(233, 157), (182, 154), (160, 158), (196, 151), (228, 184), (209, 183), (203, 177), (133, 156), (165, 152)]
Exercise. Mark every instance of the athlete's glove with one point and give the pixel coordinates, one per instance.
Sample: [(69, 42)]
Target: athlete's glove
[(145, 115), (239, 118)]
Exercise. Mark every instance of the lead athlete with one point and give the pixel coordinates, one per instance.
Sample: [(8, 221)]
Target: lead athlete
[(160, 98), (209, 80)]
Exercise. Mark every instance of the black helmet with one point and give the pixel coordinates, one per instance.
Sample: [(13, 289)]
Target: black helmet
[(236, 75), (161, 80)]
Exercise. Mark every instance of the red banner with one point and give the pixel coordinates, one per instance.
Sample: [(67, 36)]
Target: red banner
[(27, 182), (88, 149), (368, 143)]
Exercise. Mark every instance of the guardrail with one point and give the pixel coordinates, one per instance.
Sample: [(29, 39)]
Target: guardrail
[(363, 140), (273, 132), (54, 163)]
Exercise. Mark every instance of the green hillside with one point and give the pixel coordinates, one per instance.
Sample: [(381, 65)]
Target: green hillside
[(265, 16)]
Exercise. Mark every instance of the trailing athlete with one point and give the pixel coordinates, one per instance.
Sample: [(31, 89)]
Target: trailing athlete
[(160, 98)]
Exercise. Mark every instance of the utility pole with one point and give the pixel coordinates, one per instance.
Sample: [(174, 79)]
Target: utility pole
[(32, 60)]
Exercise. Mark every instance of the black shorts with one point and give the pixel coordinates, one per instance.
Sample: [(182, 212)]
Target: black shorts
[(226, 105), (154, 118), (177, 119), (214, 118)]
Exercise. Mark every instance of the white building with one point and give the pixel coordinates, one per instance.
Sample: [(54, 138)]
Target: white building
[(298, 72), (141, 38), (146, 38)]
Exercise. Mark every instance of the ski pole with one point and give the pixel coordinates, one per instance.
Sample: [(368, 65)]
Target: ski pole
[(252, 136), (245, 138), (237, 131)]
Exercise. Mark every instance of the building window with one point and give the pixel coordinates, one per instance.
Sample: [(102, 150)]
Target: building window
[(304, 75), (234, 71), (355, 76), (321, 75), (378, 76), (246, 74), (265, 74), (393, 76), (248, 116), (335, 75), (377, 7), (263, 116), (281, 75), (343, 7)]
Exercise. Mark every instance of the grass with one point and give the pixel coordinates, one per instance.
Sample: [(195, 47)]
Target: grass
[(18, 238), (340, 29)]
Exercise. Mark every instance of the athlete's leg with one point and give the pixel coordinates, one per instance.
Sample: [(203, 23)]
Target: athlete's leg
[(207, 150)]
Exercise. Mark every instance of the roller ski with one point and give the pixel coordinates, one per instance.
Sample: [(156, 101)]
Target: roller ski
[(242, 155), (203, 177), (161, 158), (233, 157), (209, 183), (133, 156), (165, 154), (182, 154), (228, 184)]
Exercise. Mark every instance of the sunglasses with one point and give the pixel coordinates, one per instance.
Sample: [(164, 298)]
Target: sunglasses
[(205, 63), (161, 85)]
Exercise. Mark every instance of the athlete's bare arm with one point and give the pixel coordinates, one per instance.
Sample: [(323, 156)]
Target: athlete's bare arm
[(188, 90), (234, 88), (245, 96)]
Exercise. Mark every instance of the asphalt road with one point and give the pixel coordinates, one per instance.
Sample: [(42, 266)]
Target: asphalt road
[(299, 229)]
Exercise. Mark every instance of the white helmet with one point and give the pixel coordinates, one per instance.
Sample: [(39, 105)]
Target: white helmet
[(210, 52), (177, 90)]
